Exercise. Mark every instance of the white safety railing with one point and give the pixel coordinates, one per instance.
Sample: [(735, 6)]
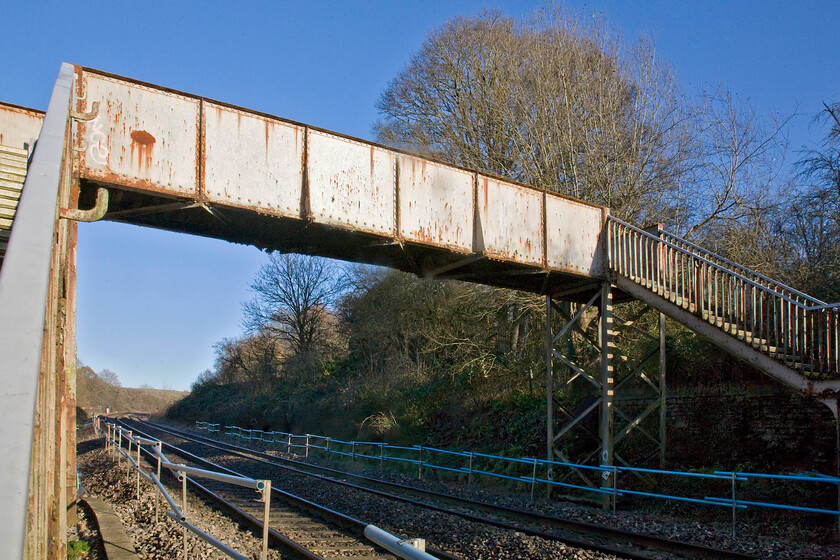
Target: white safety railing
[(115, 435)]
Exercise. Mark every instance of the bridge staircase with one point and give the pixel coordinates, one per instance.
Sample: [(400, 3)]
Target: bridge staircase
[(786, 334), (13, 162)]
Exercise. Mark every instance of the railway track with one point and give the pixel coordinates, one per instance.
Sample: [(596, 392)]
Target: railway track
[(591, 537), (299, 528)]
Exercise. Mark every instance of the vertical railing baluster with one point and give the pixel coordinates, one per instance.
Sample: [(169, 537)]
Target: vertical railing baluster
[(774, 319)]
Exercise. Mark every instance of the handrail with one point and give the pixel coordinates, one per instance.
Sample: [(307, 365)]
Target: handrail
[(774, 319), (724, 269), (730, 263), (176, 513), (23, 300)]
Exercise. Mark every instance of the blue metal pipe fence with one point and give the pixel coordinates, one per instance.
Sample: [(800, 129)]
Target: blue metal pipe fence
[(539, 471)]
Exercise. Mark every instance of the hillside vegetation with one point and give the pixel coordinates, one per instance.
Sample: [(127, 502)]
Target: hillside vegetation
[(95, 394)]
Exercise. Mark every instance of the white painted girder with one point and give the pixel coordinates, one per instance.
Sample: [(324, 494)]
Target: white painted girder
[(151, 139)]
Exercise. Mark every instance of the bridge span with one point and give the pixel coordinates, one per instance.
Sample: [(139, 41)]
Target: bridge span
[(118, 149), (189, 164)]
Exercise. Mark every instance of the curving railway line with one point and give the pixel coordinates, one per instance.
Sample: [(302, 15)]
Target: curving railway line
[(300, 526)]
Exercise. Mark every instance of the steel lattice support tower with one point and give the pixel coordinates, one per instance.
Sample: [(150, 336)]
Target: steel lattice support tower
[(605, 381)]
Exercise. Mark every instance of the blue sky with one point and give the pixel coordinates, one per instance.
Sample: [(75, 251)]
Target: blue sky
[(150, 303)]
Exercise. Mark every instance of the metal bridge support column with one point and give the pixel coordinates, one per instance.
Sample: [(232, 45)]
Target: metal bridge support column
[(607, 420), (549, 384), (615, 365), (663, 395), (833, 404)]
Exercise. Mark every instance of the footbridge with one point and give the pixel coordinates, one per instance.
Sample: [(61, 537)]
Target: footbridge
[(117, 149)]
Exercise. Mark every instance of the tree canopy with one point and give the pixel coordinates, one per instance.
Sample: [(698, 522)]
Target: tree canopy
[(572, 108)]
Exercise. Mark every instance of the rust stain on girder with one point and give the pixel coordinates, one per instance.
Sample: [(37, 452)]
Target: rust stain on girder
[(268, 124), (144, 142)]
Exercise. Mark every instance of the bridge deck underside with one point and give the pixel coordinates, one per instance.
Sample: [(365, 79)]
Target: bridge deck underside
[(244, 226)]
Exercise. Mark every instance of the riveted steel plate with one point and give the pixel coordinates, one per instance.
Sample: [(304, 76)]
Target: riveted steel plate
[(252, 161), (18, 126), (511, 221), (351, 184), (435, 203), (142, 137), (573, 232)]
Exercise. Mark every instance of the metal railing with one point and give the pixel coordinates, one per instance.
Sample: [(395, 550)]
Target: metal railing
[(115, 435), (532, 472), (757, 277), (791, 327)]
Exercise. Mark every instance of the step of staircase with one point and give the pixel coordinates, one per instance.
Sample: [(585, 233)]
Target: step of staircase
[(13, 163)]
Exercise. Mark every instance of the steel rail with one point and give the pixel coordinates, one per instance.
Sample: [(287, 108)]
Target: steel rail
[(588, 530), (289, 546), (356, 526)]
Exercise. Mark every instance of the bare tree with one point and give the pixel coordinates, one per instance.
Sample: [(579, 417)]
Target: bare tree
[(294, 295), (811, 221), (109, 377), (552, 103), (821, 165), (573, 108), (251, 359), (738, 162)]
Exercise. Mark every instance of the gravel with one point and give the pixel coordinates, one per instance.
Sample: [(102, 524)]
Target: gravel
[(458, 536), (770, 539), (162, 539)]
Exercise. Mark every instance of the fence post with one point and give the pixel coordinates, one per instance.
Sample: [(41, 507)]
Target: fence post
[(381, 456), (183, 477), (420, 464), (469, 476), (734, 504), (353, 449), (328, 447), (159, 446), (266, 492), (119, 448), (307, 446), (128, 451), (128, 457), (138, 473), (533, 478), (615, 487)]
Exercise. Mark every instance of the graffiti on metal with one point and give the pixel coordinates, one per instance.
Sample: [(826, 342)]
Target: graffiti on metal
[(150, 136)]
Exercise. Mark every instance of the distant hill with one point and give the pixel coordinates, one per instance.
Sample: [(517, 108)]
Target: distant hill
[(95, 394)]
